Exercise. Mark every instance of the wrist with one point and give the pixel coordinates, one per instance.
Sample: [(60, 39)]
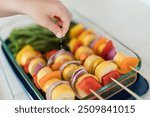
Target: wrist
[(13, 6), (10, 7), (17, 6), (23, 6)]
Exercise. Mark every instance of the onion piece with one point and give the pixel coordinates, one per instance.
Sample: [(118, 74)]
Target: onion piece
[(62, 51), (68, 63), (51, 59), (77, 73), (69, 54), (111, 54), (38, 67), (52, 87), (58, 53)]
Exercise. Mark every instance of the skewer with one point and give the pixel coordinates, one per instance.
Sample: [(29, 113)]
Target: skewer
[(98, 96), (138, 72), (127, 89)]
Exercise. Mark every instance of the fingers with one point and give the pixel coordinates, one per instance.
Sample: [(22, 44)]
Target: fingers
[(57, 18), (50, 25), (57, 21), (66, 10), (66, 25), (65, 18)]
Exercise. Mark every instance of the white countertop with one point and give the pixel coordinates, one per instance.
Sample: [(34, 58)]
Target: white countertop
[(127, 20)]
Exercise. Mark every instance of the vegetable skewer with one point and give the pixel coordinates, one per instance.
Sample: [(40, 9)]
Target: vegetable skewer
[(106, 66)]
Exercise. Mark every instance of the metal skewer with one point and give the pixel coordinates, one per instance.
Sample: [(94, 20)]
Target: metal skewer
[(127, 89), (98, 96)]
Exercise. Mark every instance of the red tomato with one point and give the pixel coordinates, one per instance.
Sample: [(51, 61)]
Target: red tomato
[(80, 33), (107, 78), (50, 53), (25, 67), (76, 46), (89, 83), (106, 50)]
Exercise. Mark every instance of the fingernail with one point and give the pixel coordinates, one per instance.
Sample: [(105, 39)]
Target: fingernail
[(58, 35)]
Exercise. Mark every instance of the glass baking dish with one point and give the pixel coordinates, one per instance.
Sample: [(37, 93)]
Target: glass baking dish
[(106, 92)]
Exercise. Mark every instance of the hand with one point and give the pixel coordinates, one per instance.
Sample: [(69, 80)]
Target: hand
[(45, 12)]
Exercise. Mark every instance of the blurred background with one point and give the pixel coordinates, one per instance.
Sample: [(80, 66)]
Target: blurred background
[(127, 20)]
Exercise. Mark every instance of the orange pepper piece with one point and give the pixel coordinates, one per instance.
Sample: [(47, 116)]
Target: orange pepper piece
[(56, 66), (98, 43), (53, 74), (35, 82), (83, 57), (126, 63)]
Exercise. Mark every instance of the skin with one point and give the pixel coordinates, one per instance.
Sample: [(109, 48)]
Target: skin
[(43, 12)]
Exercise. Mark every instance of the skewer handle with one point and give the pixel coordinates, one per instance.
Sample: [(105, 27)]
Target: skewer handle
[(94, 93), (127, 89), (139, 72)]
